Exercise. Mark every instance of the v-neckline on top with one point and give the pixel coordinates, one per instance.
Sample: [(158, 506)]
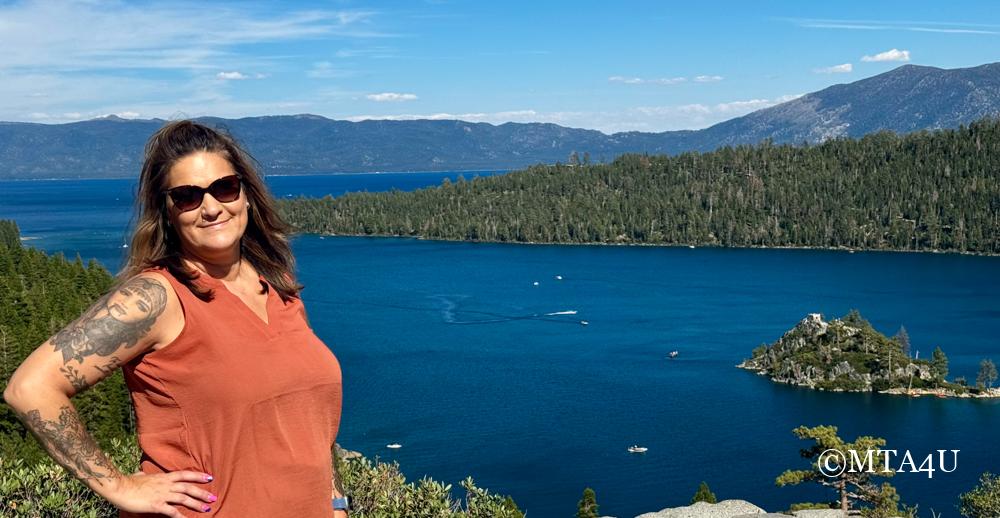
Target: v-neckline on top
[(267, 302)]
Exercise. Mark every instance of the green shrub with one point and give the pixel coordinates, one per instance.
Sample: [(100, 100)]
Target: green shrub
[(46, 490), (983, 500)]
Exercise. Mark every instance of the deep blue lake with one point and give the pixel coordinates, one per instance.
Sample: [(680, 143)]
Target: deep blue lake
[(447, 349)]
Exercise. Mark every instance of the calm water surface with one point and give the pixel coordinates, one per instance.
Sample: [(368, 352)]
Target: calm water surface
[(449, 349)]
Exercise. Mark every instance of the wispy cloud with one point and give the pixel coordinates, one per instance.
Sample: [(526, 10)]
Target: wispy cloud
[(889, 55), (641, 81), (390, 97), (663, 80), (835, 69), (232, 76), (883, 25), (154, 36), (642, 118)]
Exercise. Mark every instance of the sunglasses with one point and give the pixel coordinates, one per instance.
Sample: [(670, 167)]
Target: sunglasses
[(189, 197)]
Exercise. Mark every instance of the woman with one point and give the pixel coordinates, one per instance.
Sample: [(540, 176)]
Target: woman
[(237, 401)]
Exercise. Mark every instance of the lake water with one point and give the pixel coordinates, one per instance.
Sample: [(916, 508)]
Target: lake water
[(447, 348)]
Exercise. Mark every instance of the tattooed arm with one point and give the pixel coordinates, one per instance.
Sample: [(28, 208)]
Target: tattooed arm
[(133, 318)]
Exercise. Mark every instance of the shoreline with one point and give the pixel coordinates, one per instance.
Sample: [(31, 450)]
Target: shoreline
[(942, 393), (663, 245)]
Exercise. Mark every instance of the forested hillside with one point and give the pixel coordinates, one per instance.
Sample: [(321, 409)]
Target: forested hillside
[(922, 191), (39, 294)]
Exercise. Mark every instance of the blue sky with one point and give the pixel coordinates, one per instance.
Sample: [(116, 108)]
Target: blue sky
[(611, 66)]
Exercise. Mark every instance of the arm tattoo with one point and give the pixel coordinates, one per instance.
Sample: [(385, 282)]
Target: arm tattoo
[(80, 383), (109, 367), (67, 440), (119, 319)]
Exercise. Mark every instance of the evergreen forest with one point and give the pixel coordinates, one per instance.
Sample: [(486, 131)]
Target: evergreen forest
[(928, 191)]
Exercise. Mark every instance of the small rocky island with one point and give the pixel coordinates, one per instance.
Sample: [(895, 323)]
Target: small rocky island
[(849, 355)]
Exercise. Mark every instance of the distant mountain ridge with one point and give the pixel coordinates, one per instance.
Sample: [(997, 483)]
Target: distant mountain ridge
[(905, 99)]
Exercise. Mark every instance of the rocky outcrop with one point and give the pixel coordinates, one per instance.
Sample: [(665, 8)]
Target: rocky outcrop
[(739, 509), (723, 509)]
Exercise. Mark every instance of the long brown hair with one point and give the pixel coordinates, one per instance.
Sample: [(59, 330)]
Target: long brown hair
[(154, 243)]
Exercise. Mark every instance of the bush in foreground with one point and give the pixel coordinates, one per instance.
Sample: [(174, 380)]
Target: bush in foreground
[(45, 490)]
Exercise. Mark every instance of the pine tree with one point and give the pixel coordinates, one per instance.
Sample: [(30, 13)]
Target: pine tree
[(939, 364), (704, 494), (853, 483), (987, 374), (904, 341), (587, 508)]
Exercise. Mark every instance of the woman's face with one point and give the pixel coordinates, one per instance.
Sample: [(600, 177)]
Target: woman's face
[(213, 230)]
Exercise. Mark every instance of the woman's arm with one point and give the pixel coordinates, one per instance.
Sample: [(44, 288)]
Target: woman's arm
[(128, 321)]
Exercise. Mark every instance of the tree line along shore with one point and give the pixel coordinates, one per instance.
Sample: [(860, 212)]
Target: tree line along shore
[(924, 191)]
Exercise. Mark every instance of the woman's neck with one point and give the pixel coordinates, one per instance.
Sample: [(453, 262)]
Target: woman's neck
[(223, 270)]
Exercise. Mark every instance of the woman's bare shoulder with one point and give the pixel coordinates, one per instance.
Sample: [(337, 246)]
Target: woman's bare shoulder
[(153, 293)]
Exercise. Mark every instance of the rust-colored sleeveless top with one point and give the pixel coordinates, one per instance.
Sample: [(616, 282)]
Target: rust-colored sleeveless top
[(255, 405)]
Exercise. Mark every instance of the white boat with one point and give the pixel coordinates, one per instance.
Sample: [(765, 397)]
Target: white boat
[(394, 446), (637, 449), (558, 277), (673, 354), (535, 283), (584, 322)]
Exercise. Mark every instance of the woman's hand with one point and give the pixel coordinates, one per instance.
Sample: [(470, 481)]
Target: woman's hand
[(143, 493)]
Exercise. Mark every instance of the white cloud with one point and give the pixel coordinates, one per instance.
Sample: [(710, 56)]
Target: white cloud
[(836, 69), (236, 76), (640, 81), (889, 55), (663, 80), (390, 97)]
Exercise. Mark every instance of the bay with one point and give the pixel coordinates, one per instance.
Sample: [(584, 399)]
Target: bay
[(447, 348)]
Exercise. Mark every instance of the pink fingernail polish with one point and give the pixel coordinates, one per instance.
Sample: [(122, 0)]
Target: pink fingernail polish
[(212, 498), (206, 509)]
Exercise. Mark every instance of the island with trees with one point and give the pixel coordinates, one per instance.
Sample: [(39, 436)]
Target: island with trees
[(849, 355)]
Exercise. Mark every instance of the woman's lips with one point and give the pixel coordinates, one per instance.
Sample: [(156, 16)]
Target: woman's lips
[(216, 225)]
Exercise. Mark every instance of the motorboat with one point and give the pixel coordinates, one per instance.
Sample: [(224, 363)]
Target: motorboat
[(637, 449), (394, 446), (673, 354)]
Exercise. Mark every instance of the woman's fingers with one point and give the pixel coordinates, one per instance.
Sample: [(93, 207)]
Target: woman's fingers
[(189, 476), (187, 501), (192, 490)]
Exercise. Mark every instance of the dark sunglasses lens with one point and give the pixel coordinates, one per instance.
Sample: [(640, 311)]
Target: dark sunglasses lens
[(225, 189), (187, 197)]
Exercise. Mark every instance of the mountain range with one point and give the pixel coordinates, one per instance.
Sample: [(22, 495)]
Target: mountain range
[(908, 98)]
